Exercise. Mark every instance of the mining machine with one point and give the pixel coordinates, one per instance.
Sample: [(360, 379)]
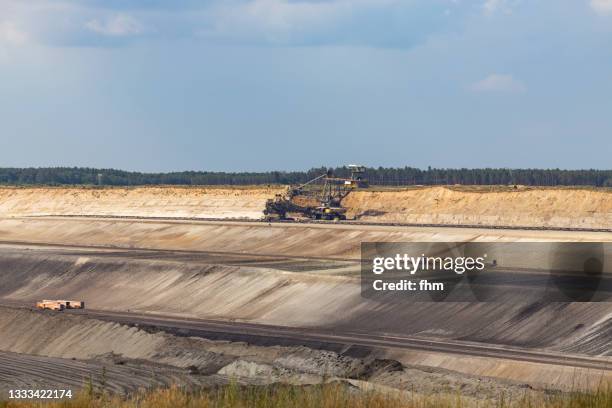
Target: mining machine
[(326, 190)]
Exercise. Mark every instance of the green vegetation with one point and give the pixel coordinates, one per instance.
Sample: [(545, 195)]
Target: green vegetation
[(326, 396), (378, 176)]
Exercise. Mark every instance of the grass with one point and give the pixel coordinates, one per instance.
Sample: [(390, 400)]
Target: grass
[(334, 395)]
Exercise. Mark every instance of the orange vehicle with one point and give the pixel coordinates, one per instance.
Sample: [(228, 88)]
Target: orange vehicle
[(50, 305), (69, 304)]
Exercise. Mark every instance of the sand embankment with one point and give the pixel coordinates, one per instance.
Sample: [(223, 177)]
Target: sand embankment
[(302, 240), (259, 293), (547, 207), (58, 348), (67, 336), (96, 351), (73, 336), (166, 201)]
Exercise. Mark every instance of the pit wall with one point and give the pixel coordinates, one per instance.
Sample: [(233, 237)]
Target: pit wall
[(545, 207), (57, 335), (546, 375), (299, 299), (196, 202), (301, 240), (74, 337)]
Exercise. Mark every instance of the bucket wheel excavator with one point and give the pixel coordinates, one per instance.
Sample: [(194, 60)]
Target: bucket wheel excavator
[(325, 190)]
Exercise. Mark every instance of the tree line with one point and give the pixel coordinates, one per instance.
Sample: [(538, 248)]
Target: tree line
[(377, 176)]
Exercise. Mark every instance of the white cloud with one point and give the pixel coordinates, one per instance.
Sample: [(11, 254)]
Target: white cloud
[(11, 34), (119, 25), (499, 83), (274, 19), (294, 22), (491, 7), (34, 22), (278, 21), (602, 6)]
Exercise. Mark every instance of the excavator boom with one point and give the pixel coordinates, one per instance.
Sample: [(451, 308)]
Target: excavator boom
[(330, 196)]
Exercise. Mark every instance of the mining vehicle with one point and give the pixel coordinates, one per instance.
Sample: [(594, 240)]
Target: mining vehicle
[(328, 191), (65, 304), (69, 304), (50, 305)]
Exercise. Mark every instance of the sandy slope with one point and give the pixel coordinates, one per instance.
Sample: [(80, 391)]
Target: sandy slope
[(23, 371), (524, 207), (265, 295), (566, 207), (141, 201), (329, 241), (217, 362)]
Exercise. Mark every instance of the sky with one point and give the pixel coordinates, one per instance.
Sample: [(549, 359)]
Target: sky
[(254, 85)]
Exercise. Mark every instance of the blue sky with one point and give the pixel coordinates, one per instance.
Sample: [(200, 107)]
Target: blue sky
[(155, 85)]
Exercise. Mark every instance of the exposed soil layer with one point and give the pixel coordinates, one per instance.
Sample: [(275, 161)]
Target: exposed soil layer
[(544, 207), (206, 287), (111, 373), (289, 275), (321, 241), (199, 202), (77, 357), (535, 207)]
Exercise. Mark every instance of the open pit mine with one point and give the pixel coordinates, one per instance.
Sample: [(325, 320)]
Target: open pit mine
[(193, 286)]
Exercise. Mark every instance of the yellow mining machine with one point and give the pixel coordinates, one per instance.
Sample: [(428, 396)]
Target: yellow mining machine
[(325, 190)]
